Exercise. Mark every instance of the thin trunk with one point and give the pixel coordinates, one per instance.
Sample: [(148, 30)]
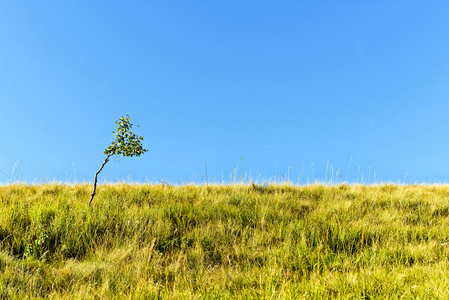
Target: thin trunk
[(96, 174)]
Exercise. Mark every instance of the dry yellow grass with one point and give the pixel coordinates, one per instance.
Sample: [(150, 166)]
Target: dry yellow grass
[(224, 242)]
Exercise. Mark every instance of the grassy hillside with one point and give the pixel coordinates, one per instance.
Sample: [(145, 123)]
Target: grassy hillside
[(224, 242)]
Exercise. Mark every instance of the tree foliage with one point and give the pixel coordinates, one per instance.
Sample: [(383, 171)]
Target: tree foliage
[(126, 142)]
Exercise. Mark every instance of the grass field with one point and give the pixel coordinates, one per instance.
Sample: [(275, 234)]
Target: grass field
[(224, 242)]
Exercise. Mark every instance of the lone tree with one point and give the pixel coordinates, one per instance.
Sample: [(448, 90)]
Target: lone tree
[(126, 143)]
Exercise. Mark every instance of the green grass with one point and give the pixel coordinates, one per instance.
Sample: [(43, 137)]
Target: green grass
[(224, 242)]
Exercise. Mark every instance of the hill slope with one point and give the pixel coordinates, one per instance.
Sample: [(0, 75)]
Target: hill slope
[(223, 241)]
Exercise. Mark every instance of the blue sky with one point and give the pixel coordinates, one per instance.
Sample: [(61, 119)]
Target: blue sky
[(262, 89)]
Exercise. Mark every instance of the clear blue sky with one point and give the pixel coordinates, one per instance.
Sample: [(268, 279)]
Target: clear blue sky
[(288, 86)]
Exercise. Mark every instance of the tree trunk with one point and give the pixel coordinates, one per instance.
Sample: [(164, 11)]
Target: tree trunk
[(96, 174)]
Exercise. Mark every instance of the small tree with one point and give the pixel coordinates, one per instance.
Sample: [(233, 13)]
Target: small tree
[(126, 143)]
